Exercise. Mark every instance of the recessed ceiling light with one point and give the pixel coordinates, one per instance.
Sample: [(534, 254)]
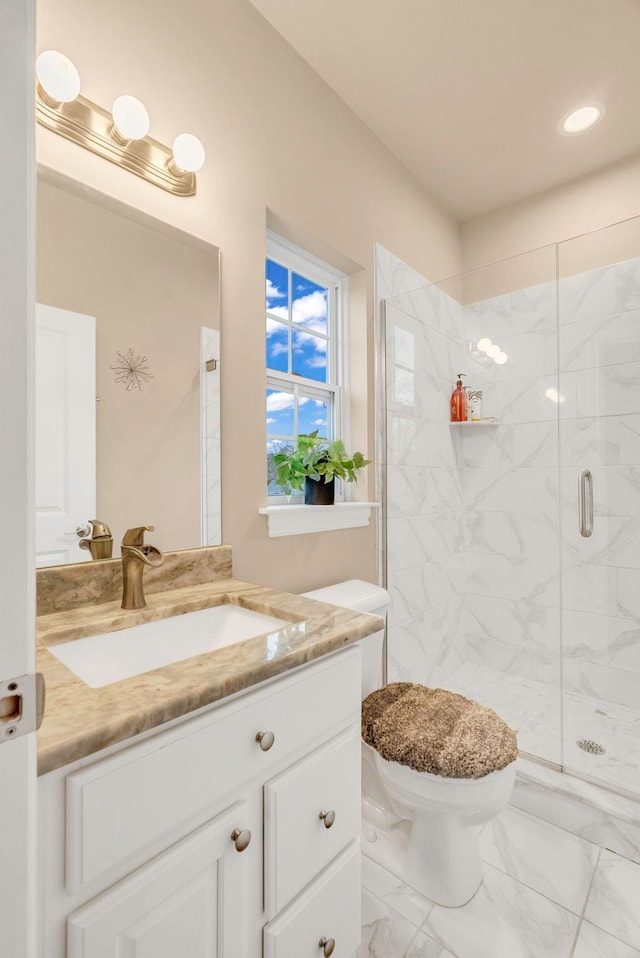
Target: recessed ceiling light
[(581, 120)]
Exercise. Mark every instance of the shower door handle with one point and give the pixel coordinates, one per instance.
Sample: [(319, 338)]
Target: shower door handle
[(585, 503)]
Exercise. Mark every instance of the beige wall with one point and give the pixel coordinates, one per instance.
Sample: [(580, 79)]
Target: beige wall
[(152, 292), (277, 139), (587, 204)]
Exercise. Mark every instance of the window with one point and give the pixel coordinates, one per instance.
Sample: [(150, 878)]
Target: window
[(305, 350)]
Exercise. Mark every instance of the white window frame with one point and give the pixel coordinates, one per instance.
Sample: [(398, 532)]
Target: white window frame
[(297, 260)]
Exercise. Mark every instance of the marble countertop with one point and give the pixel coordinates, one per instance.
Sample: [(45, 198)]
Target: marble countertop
[(80, 720)]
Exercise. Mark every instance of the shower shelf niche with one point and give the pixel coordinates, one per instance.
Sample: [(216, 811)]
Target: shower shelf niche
[(470, 424)]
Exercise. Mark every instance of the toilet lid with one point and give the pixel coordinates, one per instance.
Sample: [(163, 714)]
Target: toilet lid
[(433, 730)]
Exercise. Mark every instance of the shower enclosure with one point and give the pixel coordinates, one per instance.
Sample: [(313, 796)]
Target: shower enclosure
[(512, 544)]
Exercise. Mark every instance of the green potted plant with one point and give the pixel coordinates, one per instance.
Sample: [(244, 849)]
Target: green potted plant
[(315, 463)]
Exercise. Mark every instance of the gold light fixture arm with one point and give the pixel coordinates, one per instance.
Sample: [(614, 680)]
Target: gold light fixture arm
[(89, 125)]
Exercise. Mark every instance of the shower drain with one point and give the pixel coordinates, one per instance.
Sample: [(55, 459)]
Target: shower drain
[(588, 745)]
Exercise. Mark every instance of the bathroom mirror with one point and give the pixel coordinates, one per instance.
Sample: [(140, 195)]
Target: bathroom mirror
[(127, 375)]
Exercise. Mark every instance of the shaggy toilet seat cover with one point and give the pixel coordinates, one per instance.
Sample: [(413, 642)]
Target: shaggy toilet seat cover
[(432, 730)]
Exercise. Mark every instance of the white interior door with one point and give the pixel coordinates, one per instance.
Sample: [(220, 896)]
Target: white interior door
[(65, 390), (17, 646)]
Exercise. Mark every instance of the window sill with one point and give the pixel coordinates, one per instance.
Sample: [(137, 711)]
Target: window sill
[(300, 519)]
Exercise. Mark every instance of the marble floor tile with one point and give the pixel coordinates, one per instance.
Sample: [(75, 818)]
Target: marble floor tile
[(545, 858), (504, 919), (389, 889), (613, 903), (386, 934), (595, 943), (423, 946), (622, 836)]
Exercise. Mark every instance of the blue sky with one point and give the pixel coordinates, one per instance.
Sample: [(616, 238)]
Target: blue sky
[(309, 316), (312, 413)]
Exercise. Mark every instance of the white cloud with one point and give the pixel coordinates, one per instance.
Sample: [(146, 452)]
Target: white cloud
[(274, 292), (316, 362), (270, 421), (318, 422), (308, 339), (277, 402), (311, 311)]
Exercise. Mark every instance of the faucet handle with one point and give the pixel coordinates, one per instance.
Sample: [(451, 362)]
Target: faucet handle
[(135, 536), (99, 529)]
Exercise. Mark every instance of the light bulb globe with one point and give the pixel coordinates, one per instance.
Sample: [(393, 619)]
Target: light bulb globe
[(57, 76), (130, 118), (188, 153), (501, 358), (493, 351), (484, 344)]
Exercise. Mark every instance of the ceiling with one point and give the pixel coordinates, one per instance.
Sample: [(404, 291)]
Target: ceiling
[(468, 93)]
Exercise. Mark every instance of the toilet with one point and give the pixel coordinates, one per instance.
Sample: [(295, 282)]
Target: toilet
[(422, 825)]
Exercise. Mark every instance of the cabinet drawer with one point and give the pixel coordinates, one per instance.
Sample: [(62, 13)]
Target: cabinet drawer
[(298, 843), (330, 908), (133, 804)]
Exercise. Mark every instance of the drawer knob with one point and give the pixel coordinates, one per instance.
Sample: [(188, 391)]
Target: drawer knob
[(265, 740), (327, 945), (241, 838), (328, 818)]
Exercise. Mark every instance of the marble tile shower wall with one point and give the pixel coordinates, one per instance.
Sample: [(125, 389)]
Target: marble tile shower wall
[(476, 516), (425, 507), (599, 354), (511, 621)]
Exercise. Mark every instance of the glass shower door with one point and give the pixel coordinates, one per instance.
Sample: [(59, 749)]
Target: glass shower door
[(599, 408)]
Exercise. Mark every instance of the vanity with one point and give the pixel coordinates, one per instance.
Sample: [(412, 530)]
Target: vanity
[(211, 806)]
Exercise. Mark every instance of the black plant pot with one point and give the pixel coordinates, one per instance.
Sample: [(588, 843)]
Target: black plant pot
[(319, 493)]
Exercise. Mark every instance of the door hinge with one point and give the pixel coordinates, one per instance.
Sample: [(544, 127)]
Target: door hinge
[(21, 705)]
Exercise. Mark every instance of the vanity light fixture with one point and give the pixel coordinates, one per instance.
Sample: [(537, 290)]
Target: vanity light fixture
[(489, 350), (120, 136), (581, 120)]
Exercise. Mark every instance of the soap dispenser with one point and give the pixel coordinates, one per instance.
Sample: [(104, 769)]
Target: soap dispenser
[(458, 404)]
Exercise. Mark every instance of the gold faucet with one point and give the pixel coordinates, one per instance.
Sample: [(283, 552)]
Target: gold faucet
[(100, 545), (135, 556)]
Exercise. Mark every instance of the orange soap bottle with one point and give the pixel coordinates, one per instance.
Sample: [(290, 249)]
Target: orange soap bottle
[(458, 404)]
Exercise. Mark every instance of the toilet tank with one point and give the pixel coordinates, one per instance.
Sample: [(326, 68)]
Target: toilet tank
[(361, 597)]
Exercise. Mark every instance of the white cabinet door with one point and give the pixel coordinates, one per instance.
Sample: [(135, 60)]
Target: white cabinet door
[(189, 901), (299, 843)]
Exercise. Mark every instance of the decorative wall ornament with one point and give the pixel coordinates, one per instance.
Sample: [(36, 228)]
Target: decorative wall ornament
[(131, 370)]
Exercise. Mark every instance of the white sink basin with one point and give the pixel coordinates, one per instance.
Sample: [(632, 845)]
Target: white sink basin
[(102, 659)]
